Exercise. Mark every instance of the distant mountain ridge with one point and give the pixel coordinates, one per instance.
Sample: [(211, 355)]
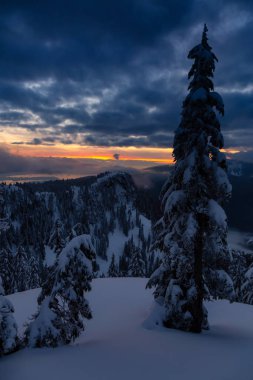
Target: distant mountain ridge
[(235, 168)]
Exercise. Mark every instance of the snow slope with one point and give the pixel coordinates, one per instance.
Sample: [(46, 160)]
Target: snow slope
[(116, 346), (117, 240)]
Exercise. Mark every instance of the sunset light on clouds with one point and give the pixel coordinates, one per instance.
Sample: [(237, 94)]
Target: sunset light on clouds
[(104, 79)]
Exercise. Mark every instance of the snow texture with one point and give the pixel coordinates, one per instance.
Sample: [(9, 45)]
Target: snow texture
[(120, 344), (217, 214)]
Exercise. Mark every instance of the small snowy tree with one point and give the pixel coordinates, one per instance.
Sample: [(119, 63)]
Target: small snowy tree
[(76, 230), (237, 270), (6, 256), (247, 287), (113, 270), (123, 266), (8, 326), (33, 277), (4, 223), (137, 264), (62, 303), (193, 230), (7, 270), (56, 241), (21, 270)]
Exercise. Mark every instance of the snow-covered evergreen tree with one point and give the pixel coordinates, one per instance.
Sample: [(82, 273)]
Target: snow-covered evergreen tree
[(7, 270), (33, 277), (193, 230), (62, 306), (113, 270), (247, 287), (237, 270), (56, 241), (6, 257), (21, 270), (153, 262), (123, 266), (76, 230), (137, 264), (4, 225), (8, 326)]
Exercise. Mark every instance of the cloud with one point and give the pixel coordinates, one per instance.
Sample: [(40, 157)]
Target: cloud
[(10, 163), (114, 73)]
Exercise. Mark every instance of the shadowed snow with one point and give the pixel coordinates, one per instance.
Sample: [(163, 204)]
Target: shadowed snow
[(116, 346)]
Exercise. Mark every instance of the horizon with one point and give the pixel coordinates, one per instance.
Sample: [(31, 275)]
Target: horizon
[(96, 171)]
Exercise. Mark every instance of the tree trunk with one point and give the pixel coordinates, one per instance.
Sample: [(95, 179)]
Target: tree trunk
[(198, 276)]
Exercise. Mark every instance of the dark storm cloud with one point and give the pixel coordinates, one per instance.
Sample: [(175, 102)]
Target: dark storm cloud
[(159, 140), (46, 141), (115, 72), (80, 37)]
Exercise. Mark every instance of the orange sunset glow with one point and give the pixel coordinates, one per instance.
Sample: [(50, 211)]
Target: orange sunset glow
[(141, 154), (146, 154)]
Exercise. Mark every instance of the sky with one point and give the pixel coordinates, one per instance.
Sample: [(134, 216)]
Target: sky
[(88, 85)]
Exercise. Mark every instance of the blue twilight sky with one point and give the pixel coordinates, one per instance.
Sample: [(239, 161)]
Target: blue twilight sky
[(94, 78)]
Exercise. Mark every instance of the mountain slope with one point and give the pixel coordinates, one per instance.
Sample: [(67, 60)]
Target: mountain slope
[(43, 217)]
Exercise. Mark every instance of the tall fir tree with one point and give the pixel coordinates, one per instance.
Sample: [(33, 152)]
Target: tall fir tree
[(193, 230)]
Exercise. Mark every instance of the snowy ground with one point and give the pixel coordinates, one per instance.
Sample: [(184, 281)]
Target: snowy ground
[(116, 346)]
